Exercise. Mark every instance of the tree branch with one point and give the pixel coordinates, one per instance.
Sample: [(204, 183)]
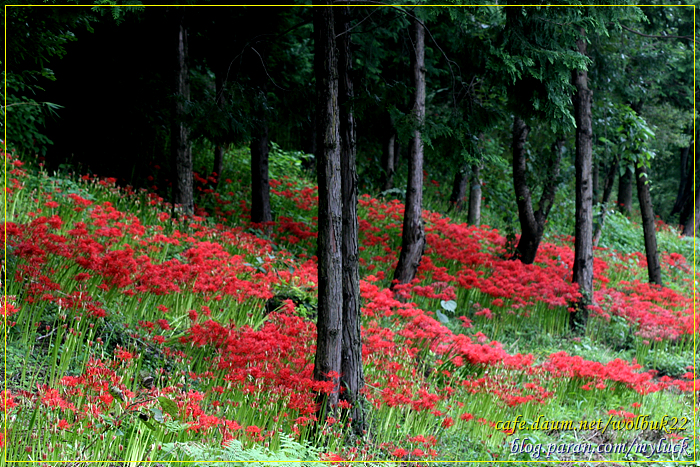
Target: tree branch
[(688, 38)]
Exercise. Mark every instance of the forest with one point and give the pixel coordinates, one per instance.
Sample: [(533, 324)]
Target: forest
[(349, 233)]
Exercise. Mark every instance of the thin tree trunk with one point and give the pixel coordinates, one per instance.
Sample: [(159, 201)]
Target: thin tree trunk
[(624, 191), (260, 210), (218, 165), (413, 239), (583, 243), (596, 184), (692, 225), (683, 191), (351, 377), (397, 153), (389, 155), (648, 224), (183, 191), (327, 364), (607, 191), (474, 216), (459, 189), (221, 101), (389, 163)]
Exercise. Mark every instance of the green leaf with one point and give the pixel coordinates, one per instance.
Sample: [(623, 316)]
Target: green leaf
[(158, 415), (442, 317), (149, 425), (169, 406)]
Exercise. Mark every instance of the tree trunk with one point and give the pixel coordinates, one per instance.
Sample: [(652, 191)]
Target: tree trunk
[(183, 192), (686, 170), (645, 206), (692, 225), (327, 364), (596, 184), (532, 222), (607, 191), (583, 243), (218, 165), (388, 155), (351, 377), (527, 246), (220, 146), (259, 171), (413, 239), (459, 189), (624, 191), (474, 216)]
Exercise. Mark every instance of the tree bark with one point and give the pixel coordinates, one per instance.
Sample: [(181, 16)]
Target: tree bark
[(648, 224), (327, 364), (183, 191), (583, 243), (351, 377), (624, 192), (607, 191), (413, 238), (692, 225), (459, 189)]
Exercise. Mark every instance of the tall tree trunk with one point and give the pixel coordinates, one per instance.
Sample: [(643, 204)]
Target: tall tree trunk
[(583, 243), (685, 174), (351, 377), (260, 210), (474, 216), (648, 224), (183, 191), (388, 155), (218, 165), (624, 191), (596, 184), (532, 222), (327, 364), (413, 239), (527, 246), (459, 188), (607, 191), (220, 146), (692, 225)]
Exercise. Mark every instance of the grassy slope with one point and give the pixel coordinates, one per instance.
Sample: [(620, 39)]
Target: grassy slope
[(132, 294)]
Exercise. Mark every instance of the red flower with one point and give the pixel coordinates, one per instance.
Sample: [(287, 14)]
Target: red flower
[(63, 425), (123, 354)]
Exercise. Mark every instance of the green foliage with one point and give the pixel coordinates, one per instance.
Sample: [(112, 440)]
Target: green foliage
[(200, 455), (36, 36), (621, 234)]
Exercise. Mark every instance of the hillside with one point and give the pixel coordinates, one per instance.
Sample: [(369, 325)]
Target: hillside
[(136, 334)]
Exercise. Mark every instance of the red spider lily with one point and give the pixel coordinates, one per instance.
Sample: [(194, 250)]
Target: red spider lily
[(63, 425)]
